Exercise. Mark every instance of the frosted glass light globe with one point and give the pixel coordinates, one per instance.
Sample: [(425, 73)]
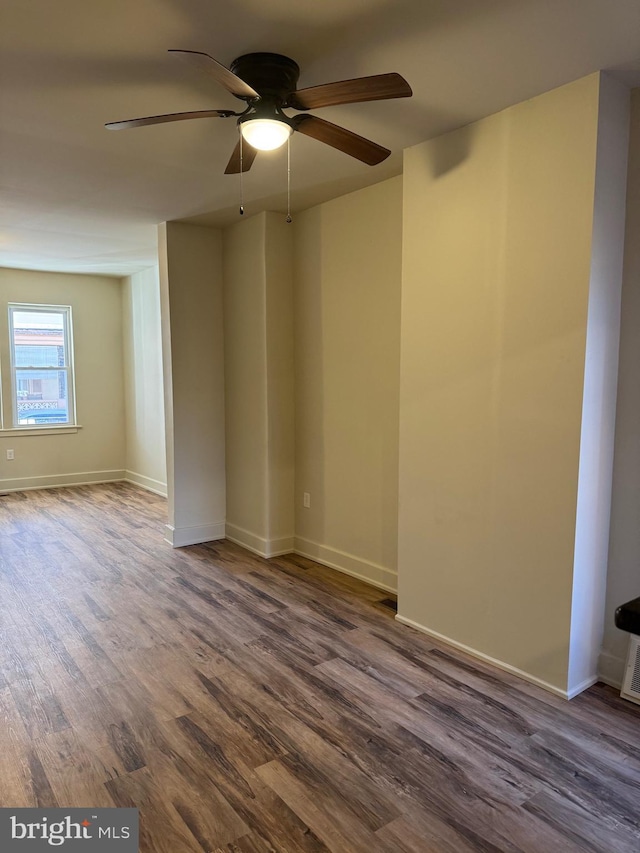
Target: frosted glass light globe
[(265, 134)]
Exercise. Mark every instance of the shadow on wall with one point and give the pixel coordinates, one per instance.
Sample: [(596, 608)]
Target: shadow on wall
[(448, 152)]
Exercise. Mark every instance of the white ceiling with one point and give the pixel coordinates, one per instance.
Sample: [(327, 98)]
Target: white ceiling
[(76, 197)]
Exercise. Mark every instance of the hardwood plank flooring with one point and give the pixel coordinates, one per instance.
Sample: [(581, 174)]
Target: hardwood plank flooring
[(275, 706)]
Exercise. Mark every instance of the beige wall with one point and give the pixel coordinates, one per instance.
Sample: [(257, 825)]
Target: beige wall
[(97, 451), (245, 379), (623, 581), (259, 383), (144, 402), (341, 305), (347, 343), (280, 381), (193, 367), (496, 272)]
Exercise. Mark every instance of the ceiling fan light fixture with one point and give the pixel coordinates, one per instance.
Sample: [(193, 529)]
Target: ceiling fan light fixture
[(265, 134)]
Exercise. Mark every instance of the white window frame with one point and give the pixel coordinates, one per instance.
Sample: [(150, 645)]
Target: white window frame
[(65, 312)]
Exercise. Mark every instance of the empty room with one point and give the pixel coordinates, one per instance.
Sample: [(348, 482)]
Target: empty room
[(320, 426)]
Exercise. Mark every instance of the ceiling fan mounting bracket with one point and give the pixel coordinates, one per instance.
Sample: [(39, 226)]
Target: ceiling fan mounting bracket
[(272, 75), (265, 108)]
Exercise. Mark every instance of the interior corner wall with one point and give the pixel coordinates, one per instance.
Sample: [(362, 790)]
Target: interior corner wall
[(96, 452), (246, 382), (498, 220), (280, 383), (259, 402), (347, 276), (146, 462), (623, 580), (193, 366)]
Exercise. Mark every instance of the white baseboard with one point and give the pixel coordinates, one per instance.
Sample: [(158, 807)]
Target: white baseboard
[(370, 573), (584, 685), (178, 537), (56, 481), (148, 483), (499, 664), (257, 544), (611, 669)]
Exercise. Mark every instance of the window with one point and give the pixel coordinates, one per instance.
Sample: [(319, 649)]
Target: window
[(41, 365)]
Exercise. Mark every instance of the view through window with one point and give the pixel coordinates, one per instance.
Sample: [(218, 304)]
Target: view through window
[(41, 364)]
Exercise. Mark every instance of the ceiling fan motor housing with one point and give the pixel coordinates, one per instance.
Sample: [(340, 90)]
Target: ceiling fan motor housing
[(273, 76)]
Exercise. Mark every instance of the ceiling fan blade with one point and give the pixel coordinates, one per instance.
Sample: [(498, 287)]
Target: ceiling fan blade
[(142, 122), (344, 140), (248, 156), (375, 88), (231, 82)]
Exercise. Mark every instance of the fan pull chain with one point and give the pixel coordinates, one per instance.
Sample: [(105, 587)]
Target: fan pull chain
[(241, 173), (289, 179)]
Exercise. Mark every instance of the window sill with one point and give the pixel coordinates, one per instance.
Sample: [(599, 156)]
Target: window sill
[(42, 430)]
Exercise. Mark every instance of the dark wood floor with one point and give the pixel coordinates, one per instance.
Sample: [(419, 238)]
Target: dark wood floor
[(249, 705)]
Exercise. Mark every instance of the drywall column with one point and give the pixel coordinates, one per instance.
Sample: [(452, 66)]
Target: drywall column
[(600, 387), (193, 362), (146, 462), (259, 383), (496, 315), (623, 581)]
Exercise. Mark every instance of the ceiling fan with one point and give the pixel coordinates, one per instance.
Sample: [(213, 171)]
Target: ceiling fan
[(267, 82)]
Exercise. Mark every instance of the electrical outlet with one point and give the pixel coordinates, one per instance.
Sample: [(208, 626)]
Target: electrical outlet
[(10, 454), (306, 500)]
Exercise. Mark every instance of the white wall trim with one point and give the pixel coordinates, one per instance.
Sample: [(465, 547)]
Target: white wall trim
[(178, 537), (50, 429), (148, 483), (526, 676), (580, 688), (349, 564), (611, 669), (56, 481), (257, 544)]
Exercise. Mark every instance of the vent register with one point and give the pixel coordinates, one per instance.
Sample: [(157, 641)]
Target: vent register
[(627, 618), (631, 683)]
